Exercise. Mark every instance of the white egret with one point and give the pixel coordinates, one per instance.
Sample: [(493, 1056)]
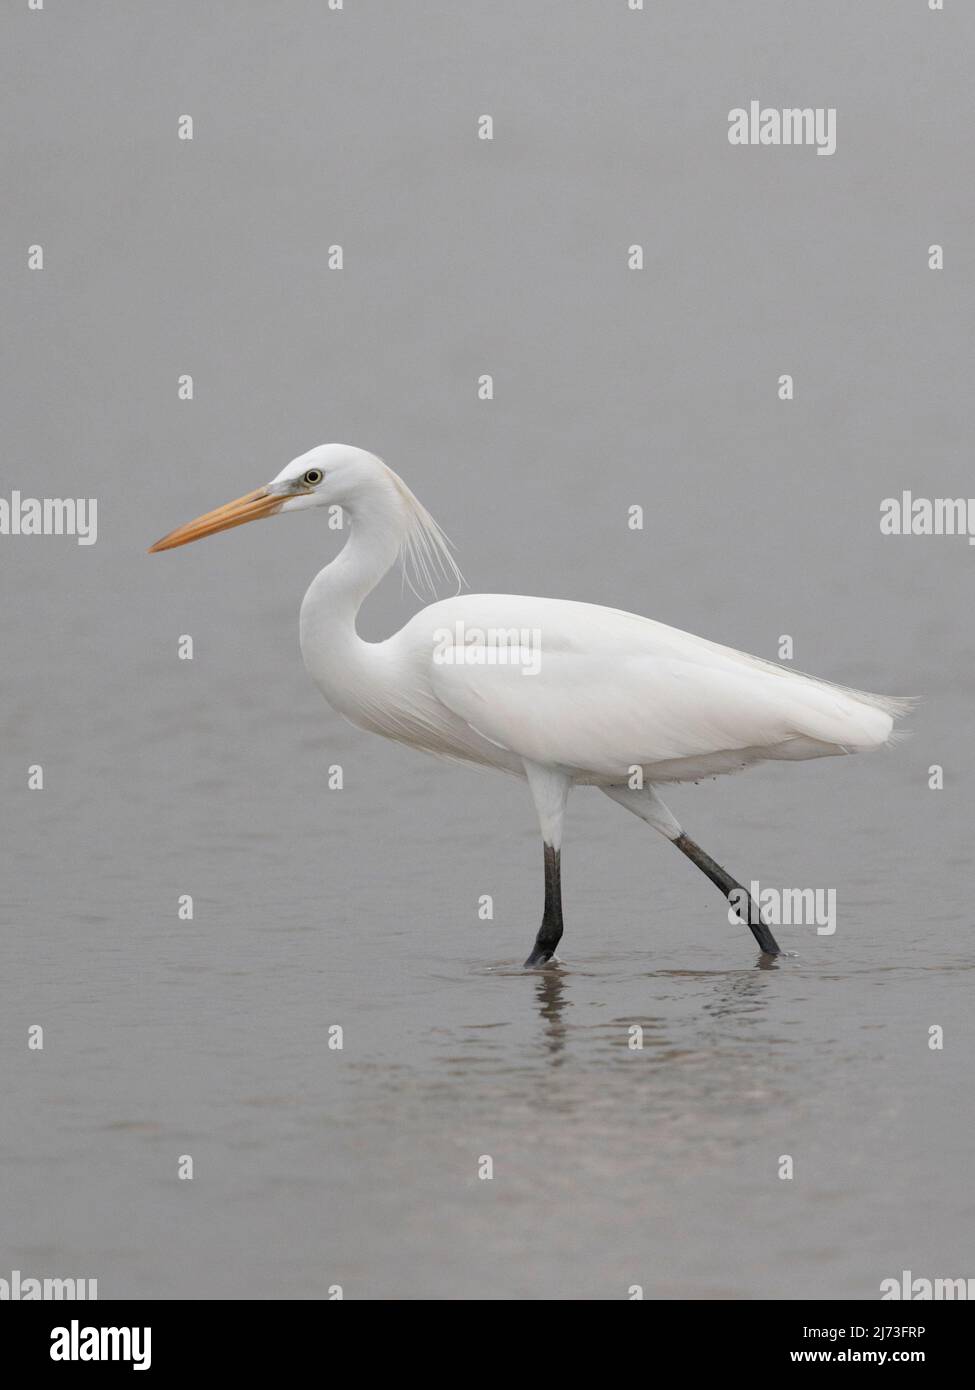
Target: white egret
[(557, 692)]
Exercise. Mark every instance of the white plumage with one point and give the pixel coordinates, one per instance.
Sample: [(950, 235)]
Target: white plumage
[(584, 694), (614, 690)]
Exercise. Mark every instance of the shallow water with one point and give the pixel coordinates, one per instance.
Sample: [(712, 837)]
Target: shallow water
[(612, 1167)]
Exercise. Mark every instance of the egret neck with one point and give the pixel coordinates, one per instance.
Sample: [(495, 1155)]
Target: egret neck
[(331, 648)]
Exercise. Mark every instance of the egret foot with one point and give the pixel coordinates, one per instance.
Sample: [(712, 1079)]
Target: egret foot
[(541, 955)]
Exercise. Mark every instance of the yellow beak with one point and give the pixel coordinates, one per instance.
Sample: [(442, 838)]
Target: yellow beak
[(246, 508)]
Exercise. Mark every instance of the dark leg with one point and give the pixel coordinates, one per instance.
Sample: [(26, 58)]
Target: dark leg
[(728, 885), (550, 932)]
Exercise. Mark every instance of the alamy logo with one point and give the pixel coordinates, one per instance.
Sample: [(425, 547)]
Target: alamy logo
[(921, 1290), (784, 907), (50, 516), (492, 646), (764, 125), (77, 1343), (21, 1288), (908, 515)]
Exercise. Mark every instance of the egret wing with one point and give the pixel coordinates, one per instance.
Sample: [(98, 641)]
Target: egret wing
[(602, 691)]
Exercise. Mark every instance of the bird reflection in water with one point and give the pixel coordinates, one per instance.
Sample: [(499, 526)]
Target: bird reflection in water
[(551, 998)]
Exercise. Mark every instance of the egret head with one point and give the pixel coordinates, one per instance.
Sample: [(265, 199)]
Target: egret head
[(327, 476)]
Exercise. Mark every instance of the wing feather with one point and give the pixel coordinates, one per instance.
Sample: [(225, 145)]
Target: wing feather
[(613, 690)]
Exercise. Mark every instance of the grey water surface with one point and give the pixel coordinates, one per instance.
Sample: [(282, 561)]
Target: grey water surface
[(613, 1166)]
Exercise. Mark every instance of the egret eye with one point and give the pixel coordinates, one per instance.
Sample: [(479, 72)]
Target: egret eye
[(313, 477)]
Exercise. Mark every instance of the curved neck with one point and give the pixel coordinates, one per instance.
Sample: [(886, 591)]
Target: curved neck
[(328, 611)]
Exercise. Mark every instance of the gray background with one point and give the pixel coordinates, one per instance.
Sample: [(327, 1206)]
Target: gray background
[(163, 777)]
